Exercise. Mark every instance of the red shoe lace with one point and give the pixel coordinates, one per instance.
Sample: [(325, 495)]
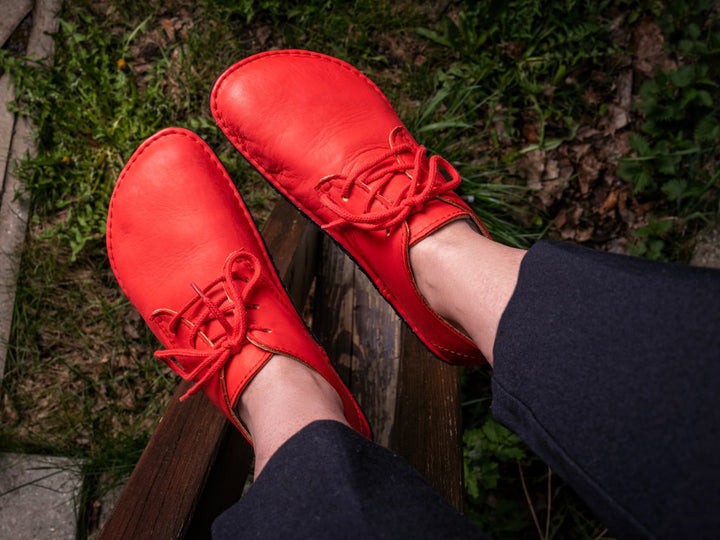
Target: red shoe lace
[(232, 317), (424, 183)]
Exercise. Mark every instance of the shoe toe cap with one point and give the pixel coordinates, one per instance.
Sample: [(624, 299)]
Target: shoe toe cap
[(174, 217), (302, 113)]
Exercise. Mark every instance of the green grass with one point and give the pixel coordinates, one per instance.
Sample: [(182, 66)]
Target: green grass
[(482, 84), (676, 149)]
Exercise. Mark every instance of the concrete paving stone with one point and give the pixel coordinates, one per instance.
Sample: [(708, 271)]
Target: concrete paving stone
[(13, 12), (14, 210), (7, 123), (707, 249), (107, 504), (14, 214), (38, 495)]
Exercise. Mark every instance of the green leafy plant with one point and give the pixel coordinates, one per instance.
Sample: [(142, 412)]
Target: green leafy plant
[(490, 451), (89, 115), (484, 449), (652, 239), (517, 57), (675, 156), (682, 126)]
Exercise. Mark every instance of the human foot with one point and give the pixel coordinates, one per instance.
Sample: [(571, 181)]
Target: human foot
[(285, 385), (467, 278), (328, 139), (187, 254)]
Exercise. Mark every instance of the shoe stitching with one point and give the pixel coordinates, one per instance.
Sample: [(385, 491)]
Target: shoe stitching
[(177, 318), (169, 337), (248, 61), (403, 312), (230, 411), (121, 180), (212, 158), (380, 284), (231, 131), (240, 140), (481, 226), (343, 392)]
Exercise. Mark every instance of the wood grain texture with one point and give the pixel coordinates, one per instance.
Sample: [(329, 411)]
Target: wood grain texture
[(195, 454), (224, 484), (361, 334), (160, 498), (410, 397), (293, 242), (427, 430)]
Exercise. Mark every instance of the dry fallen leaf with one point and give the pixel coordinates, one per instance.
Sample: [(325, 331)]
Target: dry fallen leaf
[(649, 49), (583, 235), (530, 133), (616, 118), (532, 166), (169, 29), (552, 169), (263, 34), (610, 202)]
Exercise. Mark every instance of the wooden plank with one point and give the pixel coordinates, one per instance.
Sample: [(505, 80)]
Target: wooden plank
[(293, 242), (427, 418), (410, 397), (361, 334), (162, 495), (334, 308), (224, 485)]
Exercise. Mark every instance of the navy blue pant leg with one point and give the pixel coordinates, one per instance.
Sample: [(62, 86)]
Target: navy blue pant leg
[(609, 368), (327, 481)]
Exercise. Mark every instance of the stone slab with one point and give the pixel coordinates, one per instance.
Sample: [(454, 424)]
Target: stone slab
[(45, 23), (38, 496), (107, 505), (707, 249), (14, 210), (7, 125), (13, 12)]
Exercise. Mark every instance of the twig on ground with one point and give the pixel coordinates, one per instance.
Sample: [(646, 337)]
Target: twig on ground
[(529, 502)]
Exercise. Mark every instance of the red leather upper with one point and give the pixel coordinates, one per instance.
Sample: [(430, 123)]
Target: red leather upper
[(327, 138), (187, 254)]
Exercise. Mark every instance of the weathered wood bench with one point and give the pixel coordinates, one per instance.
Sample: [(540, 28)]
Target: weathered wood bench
[(196, 464)]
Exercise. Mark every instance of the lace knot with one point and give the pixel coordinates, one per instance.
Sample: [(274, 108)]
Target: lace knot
[(231, 315), (412, 186)]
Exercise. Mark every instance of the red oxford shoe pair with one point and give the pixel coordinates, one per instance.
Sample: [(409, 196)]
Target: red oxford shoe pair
[(187, 254)]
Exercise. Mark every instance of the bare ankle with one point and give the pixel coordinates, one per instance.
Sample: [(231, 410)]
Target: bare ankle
[(284, 397), (432, 258), (467, 279)]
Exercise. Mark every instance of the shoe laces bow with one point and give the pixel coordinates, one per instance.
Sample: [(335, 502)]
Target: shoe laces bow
[(424, 183), (231, 315)]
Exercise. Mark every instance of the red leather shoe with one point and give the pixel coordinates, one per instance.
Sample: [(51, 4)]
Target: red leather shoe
[(325, 136), (187, 254)]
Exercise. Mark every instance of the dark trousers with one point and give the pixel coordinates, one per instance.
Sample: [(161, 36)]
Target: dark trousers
[(607, 366)]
